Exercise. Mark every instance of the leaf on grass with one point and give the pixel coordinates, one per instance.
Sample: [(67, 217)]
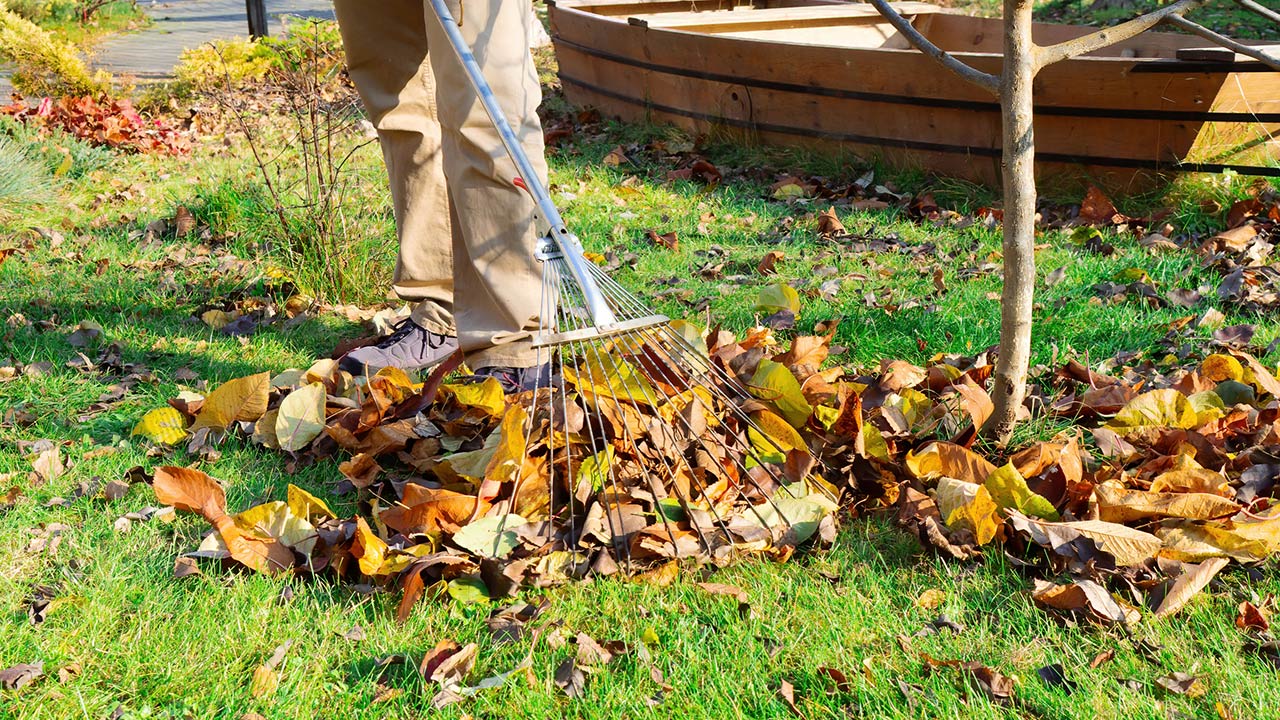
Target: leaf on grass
[(301, 417), (1180, 683), (191, 490), (1009, 490), (777, 298), (308, 506), (1084, 596), (492, 537), (1158, 408), (1194, 578), (242, 399), (570, 678), (1129, 546), (18, 676), (940, 459), (1120, 505), (163, 425)]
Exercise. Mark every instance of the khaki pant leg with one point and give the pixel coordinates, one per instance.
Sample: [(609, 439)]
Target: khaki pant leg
[(498, 282), (386, 45)]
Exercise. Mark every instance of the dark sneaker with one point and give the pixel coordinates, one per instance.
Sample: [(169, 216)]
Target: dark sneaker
[(410, 347), (516, 379)]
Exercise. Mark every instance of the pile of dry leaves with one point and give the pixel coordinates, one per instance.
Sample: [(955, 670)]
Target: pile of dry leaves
[(1166, 478), (110, 123), (468, 487)]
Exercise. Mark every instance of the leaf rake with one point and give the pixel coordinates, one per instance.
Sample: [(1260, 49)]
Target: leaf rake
[(641, 437)]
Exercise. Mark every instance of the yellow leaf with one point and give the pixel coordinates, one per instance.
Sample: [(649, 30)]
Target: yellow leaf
[(774, 383), (487, 395), (691, 334), (778, 297), (1208, 406), (301, 417), (1196, 541), (945, 459), (240, 399), (264, 683), (952, 493), (264, 430), (1158, 408), (305, 505), (191, 490), (1121, 505), (1009, 490), (368, 549), (219, 319), (611, 378), (772, 436), (163, 425), (508, 459), (276, 520), (980, 515), (472, 463), (1219, 367)]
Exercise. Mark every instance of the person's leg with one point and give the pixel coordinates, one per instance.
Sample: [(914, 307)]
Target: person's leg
[(386, 46), (498, 282)]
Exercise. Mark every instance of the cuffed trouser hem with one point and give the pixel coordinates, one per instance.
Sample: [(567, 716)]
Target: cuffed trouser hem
[(515, 355), (426, 314)]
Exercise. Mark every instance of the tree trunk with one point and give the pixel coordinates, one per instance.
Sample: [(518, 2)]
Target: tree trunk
[(1010, 381)]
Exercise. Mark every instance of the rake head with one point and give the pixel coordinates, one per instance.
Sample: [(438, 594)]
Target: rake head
[(647, 440)]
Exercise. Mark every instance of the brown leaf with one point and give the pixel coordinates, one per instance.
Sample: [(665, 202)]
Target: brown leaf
[(192, 490), (768, 264), (1250, 618), (995, 685), (666, 240), (183, 222), (1193, 579), (590, 652), (1180, 683), (17, 676), (837, 678), (829, 224), (787, 692), (570, 678), (1097, 208), (185, 567)]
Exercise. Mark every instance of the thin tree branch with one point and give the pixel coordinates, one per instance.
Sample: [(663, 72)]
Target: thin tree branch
[(1226, 42), (1267, 13), (964, 70), (1106, 37)]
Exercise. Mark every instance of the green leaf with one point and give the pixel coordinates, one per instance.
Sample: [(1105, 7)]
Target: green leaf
[(1009, 490), (774, 383), (468, 590), (778, 297), (301, 417), (492, 536)]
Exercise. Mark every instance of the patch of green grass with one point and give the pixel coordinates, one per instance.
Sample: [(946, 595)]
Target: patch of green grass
[(1224, 17), (24, 182), (63, 18)]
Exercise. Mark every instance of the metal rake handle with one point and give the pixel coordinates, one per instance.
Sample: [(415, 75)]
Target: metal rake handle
[(558, 237)]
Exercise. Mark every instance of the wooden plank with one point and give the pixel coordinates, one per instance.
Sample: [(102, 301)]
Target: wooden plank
[(782, 16), (1221, 54)]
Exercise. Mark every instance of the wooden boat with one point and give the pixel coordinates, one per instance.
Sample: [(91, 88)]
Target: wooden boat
[(835, 73)]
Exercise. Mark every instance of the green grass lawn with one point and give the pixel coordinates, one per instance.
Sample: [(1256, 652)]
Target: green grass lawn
[(130, 636)]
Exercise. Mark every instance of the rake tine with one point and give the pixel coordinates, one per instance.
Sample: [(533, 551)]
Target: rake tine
[(683, 501)]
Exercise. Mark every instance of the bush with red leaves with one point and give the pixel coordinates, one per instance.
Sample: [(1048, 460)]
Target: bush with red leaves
[(114, 124)]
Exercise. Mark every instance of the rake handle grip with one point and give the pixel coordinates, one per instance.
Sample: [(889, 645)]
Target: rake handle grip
[(559, 236)]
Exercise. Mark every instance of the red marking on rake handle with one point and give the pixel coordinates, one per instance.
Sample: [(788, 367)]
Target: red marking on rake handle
[(519, 182)]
